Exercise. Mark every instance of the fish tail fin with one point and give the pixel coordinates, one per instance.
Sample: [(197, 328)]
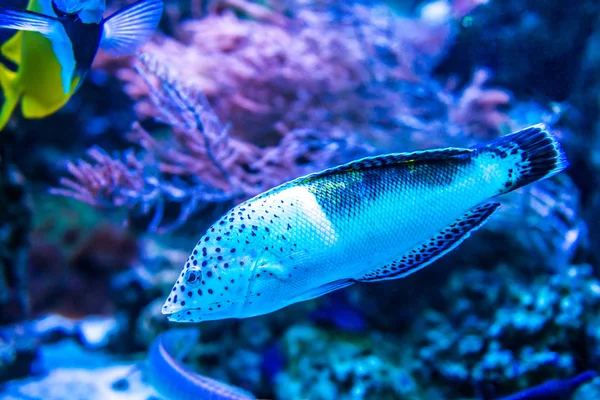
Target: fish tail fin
[(528, 155), (11, 94)]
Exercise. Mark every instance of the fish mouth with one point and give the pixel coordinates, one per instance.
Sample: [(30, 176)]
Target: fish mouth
[(170, 309), (182, 314)]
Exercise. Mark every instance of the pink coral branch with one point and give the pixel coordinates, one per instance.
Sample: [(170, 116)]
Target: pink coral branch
[(478, 108), (102, 182)]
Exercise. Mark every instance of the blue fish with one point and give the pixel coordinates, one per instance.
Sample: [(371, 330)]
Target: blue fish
[(56, 45), (370, 220), (174, 381), (553, 389)]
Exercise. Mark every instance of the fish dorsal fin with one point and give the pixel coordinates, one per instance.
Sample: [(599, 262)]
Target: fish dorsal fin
[(125, 31), (391, 159), (434, 248)]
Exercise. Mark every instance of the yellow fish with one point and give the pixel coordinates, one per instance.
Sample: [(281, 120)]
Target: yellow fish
[(56, 45)]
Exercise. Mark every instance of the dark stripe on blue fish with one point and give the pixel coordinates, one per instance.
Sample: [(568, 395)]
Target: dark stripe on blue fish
[(343, 193)]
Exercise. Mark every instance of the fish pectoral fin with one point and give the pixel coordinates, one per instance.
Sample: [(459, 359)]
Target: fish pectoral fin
[(130, 28), (323, 289), (434, 248), (24, 20)]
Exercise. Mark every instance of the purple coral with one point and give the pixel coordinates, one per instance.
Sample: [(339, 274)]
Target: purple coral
[(198, 163), (342, 66), (104, 181), (296, 88)]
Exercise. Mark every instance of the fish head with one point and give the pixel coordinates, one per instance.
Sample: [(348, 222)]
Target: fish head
[(88, 11), (214, 281)]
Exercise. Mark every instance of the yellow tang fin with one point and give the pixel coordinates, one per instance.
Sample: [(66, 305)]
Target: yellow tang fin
[(41, 87), (11, 49)]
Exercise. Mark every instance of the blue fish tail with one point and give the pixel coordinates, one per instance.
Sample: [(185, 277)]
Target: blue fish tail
[(530, 155)]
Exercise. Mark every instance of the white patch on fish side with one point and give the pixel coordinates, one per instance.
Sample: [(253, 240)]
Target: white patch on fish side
[(309, 207)]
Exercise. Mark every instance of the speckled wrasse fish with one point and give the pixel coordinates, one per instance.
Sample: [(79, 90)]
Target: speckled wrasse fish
[(175, 381), (374, 219)]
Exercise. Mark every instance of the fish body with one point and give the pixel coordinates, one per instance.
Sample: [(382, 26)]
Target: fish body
[(374, 219), (56, 43), (174, 381), (554, 388)]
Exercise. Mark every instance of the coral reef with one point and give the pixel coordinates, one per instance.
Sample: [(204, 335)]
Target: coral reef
[(244, 95), (324, 365), (458, 348), (198, 163), (538, 329), (373, 74)]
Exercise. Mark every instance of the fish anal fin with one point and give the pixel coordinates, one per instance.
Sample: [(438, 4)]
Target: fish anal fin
[(323, 289), (36, 105), (434, 248), (32, 108)]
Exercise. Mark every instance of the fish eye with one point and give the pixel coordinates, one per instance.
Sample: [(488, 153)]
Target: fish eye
[(193, 276)]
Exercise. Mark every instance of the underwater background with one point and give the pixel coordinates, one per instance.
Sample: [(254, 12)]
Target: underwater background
[(101, 202)]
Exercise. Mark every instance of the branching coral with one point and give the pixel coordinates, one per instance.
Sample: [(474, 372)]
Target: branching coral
[(105, 181), (296, 87), (199, 162), (324, 66)]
